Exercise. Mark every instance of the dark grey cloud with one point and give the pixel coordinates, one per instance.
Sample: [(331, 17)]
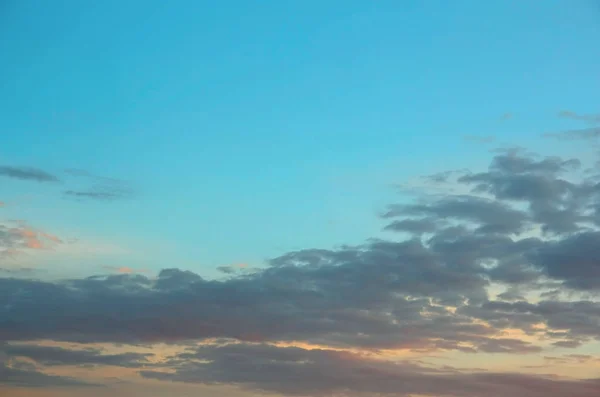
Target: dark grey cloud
[(16, 374), (415, 226), (228, 269), (578, 321), (555, 203), (284, 302), (426, 292), (574, 260), (51, 356), (300, 372), (444, 176), (27, 173), (488, 215)]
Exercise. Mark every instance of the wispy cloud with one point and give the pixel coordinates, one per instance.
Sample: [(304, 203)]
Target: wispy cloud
[(102, 189), (572, 135), (99, 193), (588, 118), (17, 237), (123, 269), (27, 173)]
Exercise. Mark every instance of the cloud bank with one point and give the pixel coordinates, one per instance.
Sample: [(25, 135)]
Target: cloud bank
[(518, 253)]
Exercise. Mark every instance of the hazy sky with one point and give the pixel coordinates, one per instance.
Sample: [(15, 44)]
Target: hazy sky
[(300, 198)]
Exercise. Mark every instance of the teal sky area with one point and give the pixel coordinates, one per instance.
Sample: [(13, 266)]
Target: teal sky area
[(237, 131)]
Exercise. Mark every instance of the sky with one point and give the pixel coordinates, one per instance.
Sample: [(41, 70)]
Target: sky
[(300, 198)]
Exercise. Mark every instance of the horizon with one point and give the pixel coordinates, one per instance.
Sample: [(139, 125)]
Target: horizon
[(300, 198)]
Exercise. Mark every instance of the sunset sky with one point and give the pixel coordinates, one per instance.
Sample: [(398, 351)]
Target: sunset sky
[(300, 198)]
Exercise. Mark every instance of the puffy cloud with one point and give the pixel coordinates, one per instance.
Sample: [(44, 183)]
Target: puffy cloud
[(430, 291)]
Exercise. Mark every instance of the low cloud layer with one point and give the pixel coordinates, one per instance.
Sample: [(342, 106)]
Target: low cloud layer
[(296, 371), (518, 255)]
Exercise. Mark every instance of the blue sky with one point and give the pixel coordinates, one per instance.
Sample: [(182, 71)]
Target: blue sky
[(249, 129), (155, 155)]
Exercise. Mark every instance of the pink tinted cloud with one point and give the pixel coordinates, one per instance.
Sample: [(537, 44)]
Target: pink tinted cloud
[(124, 269), (35, 239), (24, 236)]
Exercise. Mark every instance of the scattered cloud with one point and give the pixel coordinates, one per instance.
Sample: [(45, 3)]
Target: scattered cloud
[(232, 269), (27, 173), (507, 267), (99, 193), (580, 134), (588, 118), (103, 188), (18, 235)]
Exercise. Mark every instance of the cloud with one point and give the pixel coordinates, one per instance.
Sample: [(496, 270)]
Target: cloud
[(100, 193), (18, 236), (588, 118), (516, 253), (300, 372), (427, 292), (27, 173), (579, 134), (123, 269), (16, 374), (232, 269), (572, 358), (103, 189), (18, 270), (53, 356)]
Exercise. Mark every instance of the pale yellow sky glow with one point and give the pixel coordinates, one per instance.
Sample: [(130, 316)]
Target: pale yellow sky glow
[(341, 198)]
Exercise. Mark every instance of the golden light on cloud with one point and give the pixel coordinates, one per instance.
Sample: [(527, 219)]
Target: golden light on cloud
[(124, 269)]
